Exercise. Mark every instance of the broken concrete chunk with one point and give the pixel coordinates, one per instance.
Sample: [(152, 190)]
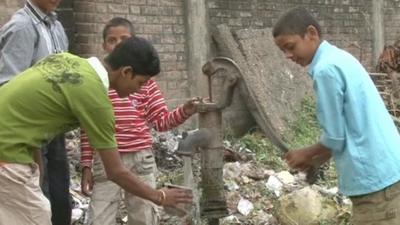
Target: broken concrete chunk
[(305, 207)]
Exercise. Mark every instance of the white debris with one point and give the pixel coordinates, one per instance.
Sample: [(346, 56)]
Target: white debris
[(125, 219), (231, 185), (245, 206), (231, 219), (76, 214), (285, 177), (333, 191), (80, 206), (347, 201), (275, 185)]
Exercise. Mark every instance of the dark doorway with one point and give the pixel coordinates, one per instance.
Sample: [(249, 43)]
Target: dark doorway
[(66, 16)]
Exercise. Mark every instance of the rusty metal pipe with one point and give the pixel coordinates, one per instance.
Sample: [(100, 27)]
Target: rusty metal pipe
[(213, 202)]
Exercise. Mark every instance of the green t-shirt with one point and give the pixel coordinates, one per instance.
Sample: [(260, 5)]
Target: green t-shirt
[(57, 94)]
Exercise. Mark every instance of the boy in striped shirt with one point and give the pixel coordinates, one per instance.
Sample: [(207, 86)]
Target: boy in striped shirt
[(135, 115)]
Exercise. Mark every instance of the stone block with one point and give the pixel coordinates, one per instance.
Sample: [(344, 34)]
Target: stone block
[(134, 9), (120, 8), (152, 28)]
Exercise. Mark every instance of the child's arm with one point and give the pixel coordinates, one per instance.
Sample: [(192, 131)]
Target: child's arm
[(157, 112), (86, 164), (131, 183), (312, 156)]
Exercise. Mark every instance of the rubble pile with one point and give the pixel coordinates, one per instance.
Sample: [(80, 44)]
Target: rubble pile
[(80, 202), (256, 193), (261, 196), (168, 163)]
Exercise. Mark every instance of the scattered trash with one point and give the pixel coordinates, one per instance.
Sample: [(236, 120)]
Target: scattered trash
[(275, 185), (245, 207), (125, 219), (76, 214), (254, 192)]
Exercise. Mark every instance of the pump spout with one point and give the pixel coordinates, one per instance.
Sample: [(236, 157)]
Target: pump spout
[(193, 141)]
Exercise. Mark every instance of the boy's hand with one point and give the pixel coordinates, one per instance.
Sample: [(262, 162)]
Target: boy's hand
[(174, 196), (87, 181), (190, 107), (305, 158), (299, 159)]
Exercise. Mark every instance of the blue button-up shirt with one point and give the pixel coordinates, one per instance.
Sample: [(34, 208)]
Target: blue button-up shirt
[(356, 125), (28, 37)]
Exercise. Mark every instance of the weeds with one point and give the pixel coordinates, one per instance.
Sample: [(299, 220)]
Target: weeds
[(265, 152), (304, 130)]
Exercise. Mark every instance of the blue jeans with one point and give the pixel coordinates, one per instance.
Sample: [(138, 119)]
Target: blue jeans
[(56, 180)]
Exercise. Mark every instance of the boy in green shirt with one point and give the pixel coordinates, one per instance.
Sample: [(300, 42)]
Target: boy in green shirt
[(58, 94)]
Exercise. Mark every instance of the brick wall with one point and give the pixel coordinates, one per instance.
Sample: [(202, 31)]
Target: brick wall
[(161, 21), (346, 23), (392, 21)]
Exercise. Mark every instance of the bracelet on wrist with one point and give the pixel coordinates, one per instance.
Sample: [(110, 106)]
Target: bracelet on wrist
[(163, 196)]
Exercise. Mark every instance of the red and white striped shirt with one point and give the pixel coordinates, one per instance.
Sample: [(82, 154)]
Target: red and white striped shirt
[(135, 115)]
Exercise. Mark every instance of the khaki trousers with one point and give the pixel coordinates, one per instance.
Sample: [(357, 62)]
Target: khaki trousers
[(21, 200), (106, 195), (378, 208)]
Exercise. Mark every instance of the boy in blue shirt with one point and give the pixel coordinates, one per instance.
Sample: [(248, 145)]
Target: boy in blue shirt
[(357, 130)]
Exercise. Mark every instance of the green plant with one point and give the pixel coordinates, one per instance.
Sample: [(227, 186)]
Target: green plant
[(303, 130), (266, 153)]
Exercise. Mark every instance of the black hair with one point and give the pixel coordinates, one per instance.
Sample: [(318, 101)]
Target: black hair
[(115, 22), (295, 21), (137, 53)]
